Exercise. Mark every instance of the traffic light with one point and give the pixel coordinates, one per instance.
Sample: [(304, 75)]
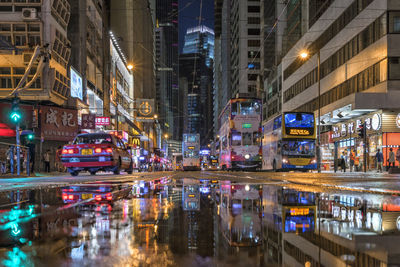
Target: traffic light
[(30, 136), (15, 114), (361, 130)]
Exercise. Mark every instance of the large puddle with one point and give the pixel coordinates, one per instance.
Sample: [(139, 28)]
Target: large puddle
[(196, 223)]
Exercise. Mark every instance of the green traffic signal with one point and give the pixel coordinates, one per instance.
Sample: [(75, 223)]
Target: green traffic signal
[(30, 136), (15, 116)]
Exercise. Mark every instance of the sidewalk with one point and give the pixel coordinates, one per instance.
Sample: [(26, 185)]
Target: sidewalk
[(35, 174)]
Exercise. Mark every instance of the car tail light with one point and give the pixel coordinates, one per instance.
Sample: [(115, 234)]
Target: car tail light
[(109, 150), (71, 197), (64, 196), (97, 150), (97, 197), (64, 151), (109, 197), (73, 151)]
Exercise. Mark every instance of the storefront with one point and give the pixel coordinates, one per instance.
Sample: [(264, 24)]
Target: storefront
[(382, 132)]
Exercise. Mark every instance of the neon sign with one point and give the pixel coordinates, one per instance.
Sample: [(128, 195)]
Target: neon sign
[(299, 132)]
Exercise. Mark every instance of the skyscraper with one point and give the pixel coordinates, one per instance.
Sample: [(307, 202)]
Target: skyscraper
[(196, 63), (200, 40), (167, 65)]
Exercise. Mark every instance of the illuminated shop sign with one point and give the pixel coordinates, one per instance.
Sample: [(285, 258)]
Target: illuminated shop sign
[(398, 120), (372, 123)]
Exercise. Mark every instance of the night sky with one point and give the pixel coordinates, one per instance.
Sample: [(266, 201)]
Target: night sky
[(189, 11)]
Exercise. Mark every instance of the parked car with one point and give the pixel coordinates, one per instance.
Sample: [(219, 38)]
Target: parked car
[(95, 152)]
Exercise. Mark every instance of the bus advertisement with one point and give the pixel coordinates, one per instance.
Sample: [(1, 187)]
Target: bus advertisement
[(240, 134), (191, 152), (289, 142)]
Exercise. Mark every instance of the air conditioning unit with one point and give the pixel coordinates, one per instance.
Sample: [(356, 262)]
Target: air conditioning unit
[(29, 13)]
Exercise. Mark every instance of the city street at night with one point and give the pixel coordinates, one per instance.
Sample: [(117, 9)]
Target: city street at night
[(200, 133)]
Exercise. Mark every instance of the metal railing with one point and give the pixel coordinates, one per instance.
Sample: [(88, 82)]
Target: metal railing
[(9, 160)]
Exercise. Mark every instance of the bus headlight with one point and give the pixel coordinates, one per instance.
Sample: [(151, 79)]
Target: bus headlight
[(285, 160), (247, 156)]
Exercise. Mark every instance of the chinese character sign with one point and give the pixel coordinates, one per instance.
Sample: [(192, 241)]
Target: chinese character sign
[(103, 121), (88, 121), (58, 124)]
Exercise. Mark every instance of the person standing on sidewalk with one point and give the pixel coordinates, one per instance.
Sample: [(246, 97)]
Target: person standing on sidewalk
[(46, 158), (352, 159), (391, 159), (343, 162), (379, 160), (398, 154)]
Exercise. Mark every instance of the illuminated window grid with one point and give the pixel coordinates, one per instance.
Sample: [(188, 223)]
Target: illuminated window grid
[(21, 34), (10, 77)]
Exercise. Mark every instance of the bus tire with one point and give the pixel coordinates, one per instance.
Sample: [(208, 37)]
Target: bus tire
[(274, 166)]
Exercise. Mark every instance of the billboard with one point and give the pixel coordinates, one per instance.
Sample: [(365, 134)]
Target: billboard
[(76, 84), (145, 109)]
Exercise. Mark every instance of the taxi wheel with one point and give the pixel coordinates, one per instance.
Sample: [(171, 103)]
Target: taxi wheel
[(130, 169), (117, 169)]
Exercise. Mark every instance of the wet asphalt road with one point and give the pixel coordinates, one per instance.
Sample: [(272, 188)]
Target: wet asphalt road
[(201, 219), (357, 182)]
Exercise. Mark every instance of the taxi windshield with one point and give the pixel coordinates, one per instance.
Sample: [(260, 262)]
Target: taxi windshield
[(93, 139)]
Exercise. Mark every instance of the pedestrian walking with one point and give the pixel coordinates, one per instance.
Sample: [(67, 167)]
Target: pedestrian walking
[(357, 163), (343, 162), (46, 158), (398, 155), (352, 159), (379, 160), (391, 159), (10, 157)]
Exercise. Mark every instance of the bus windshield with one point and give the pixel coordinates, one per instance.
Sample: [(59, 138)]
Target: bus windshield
[(246, 108), (299, 120), (298, 148)]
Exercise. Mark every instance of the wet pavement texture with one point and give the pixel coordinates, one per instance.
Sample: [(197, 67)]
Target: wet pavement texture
[(194, 222)]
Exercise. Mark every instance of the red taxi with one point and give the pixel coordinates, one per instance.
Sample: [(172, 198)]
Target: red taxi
[(94, 152)]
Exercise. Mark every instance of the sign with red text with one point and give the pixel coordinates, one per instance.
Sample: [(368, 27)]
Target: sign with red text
[(58, 124), (102, 121)]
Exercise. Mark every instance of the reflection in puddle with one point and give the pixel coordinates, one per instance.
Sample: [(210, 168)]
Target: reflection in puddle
[(196, 222)]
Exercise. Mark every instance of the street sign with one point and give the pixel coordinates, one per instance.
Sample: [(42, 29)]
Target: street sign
[(102, 121), (88, 121)]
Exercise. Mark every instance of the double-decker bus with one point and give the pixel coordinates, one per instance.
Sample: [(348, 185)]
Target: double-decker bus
[(191, 195), (240, 134), (191, 152), (289, 142)]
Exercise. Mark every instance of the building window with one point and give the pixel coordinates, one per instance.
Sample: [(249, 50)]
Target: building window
[(253, 9), (253, 20), (253, 31), (394, 68), (253, 43), (394, 22), (252, 77)]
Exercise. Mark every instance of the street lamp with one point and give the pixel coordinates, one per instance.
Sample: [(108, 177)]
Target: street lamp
[(130, 66), (155, 116), (304, 55)]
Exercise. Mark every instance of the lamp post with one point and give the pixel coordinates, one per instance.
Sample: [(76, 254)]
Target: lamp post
[(304, 54)]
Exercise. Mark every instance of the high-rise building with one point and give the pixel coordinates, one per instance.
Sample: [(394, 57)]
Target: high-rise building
[(196, 78), (196, 63), (200, 40), (170, 107), (222, 64), (245, 18), (132, 24), (353, 45)]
